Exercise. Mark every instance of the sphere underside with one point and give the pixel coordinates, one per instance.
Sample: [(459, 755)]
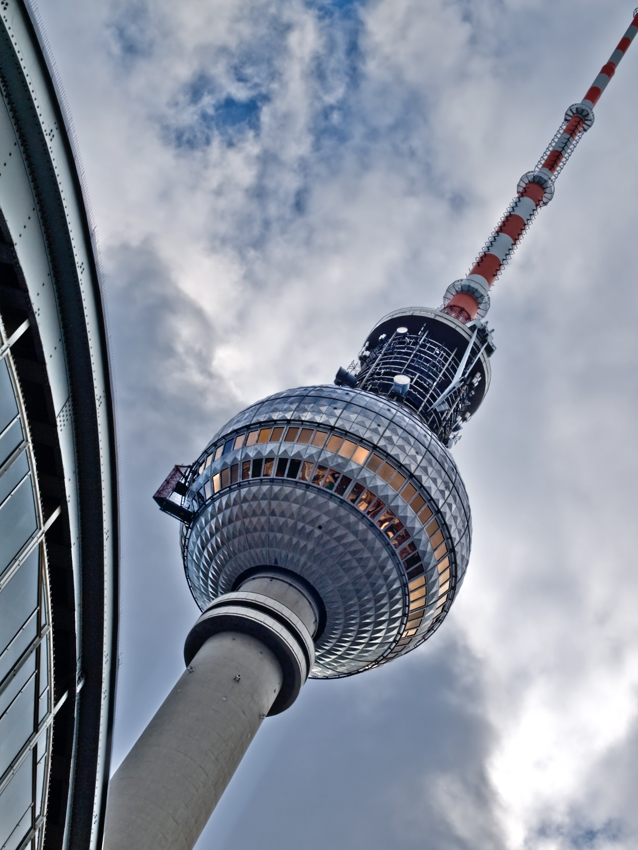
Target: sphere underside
[(347, 490)]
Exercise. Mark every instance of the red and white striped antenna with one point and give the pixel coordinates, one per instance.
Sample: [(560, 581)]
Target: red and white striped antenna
[(469, 298)]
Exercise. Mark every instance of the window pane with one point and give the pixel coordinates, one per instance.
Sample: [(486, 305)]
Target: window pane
[(319, 438), (239, 441), (366, 500), (425, 514), (282, 463), (445, 563), (400, 538), (264, 435), (374, 463), (346, 449), (306, 471), (219, 451), (331, 479), (252, 438), (14, 802), (8, 406), (417, 503), (17, 522), (317, 478), (277, 434), (234, 473), (268, 466), (437, 539), (225, 474), (418, 582), (376, 509), (10, 441), (438, 553), (342, 486), (305, 436), (12, 476), (19, 599), (398, 481), (15, 686), (354, 494), (407, 494), (16, 726), (291, 435), (293, 468), (361, 455), (245, 470), (387, 471)]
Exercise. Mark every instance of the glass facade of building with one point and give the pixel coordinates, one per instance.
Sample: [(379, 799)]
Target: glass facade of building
[(58, 511)]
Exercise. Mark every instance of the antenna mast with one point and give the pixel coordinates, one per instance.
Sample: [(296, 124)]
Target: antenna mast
[(469, 299)]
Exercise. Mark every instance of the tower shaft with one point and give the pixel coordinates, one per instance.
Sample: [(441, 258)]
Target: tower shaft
[(247, 657)]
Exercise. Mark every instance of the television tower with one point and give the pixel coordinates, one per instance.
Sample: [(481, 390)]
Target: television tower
[(325, 530)]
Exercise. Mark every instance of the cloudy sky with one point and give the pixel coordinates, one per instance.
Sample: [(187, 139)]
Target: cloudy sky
[(269, 178)]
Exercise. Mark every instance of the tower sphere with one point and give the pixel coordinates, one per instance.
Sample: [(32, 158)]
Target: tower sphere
[(347, 490)]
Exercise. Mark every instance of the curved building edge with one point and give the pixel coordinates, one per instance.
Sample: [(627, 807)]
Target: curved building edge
[(60, 371)]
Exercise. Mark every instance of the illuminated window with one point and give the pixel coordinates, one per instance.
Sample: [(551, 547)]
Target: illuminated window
[(347, 448), (208, 489), (374, 463), (277, 434), (432, 528), (443, 565), (417, 504), (408, 493), (252, 438), (319, 438), (219, 451), (418, 582), (305, 436), (268, 467), (438, 553), (239, 441), (441, 603), (398, 481), (225, 474), (264, 435), (444, 589), (445, 576), (291, 435), (419, 593), (425, 515), (216, 483), (361, 455), (437, 539), (334, 442), (386, 472), (209, 460), (409, 632)]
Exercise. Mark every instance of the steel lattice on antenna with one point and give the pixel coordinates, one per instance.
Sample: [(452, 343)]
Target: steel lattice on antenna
[(468, 298)]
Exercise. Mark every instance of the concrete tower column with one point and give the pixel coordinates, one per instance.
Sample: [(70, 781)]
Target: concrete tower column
[(247, 657)]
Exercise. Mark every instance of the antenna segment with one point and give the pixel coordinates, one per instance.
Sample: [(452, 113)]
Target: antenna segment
[(469, 299)]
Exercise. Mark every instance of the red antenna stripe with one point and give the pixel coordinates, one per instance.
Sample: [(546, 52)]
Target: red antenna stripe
[(513, 226), (593, 95), (553, 161), (488, 267), (609, 69), (623, 44), (533, 191)]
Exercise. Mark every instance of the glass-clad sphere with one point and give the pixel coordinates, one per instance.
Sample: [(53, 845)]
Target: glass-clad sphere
[(351, 492)]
